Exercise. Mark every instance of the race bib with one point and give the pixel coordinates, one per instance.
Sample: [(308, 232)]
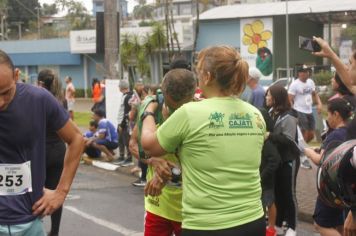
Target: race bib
[(15, 179)]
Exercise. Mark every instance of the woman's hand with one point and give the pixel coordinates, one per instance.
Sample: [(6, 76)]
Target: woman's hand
[(326, 50), (154, 186), (161, 167)]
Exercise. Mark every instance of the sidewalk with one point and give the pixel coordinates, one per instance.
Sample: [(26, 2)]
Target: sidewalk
[(306, 180)]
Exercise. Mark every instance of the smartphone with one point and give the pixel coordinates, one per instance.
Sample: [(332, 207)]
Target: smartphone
[(309, 44)]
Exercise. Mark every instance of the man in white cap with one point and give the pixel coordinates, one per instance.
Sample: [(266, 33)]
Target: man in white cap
[(258, 93)]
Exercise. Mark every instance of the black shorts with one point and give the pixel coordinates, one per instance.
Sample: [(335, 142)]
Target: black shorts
[(255, 228), (326, 216), (306, 121)]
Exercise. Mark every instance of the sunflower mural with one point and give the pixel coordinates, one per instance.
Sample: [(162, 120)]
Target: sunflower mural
[(255, 36)]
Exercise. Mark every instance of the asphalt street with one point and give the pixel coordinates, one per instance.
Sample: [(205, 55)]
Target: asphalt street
[(104, 203)]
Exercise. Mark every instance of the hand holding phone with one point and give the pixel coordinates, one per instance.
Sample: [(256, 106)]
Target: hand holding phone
[(308, 44)]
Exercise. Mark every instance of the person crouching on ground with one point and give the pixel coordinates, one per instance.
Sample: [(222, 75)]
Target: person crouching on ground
[(107, 138)]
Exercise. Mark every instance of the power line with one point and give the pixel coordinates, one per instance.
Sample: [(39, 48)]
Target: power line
[(24, 6)]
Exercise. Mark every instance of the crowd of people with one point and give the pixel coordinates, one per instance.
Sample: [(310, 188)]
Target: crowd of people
[(211, 163)]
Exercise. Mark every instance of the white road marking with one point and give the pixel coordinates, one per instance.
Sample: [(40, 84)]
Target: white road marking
[(115, 227), (72, 197)]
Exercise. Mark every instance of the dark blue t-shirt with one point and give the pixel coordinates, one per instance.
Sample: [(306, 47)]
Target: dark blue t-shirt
[(23, 127), (337, 135)]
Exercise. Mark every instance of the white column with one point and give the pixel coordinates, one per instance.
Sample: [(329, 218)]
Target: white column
[(85, 74)]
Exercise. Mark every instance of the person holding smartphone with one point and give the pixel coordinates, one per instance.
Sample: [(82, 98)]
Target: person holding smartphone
[(347, 73)]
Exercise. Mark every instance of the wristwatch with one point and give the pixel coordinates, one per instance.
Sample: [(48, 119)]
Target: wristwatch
[(145, 114)]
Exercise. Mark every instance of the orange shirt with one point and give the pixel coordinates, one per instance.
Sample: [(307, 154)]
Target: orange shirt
[(96, 93)]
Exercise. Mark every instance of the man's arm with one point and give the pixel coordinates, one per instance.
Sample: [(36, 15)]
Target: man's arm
[(51, 200), (149, 140), (133, 143), (317, 99), (291, 99)]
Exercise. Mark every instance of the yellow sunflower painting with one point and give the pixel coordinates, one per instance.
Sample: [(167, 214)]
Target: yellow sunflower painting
[(255, 36)]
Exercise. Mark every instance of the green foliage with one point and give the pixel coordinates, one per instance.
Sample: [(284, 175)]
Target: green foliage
[(22, 11), (78, 16), (349, 33), (146, 23), (158, 37), (82, 119), (79, 93), (323, 78), (49, 9), (143, 11)]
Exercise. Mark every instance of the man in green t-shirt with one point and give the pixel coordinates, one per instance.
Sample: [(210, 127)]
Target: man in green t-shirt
[(163, 212)]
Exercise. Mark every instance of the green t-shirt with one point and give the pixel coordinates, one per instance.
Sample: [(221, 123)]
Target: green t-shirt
[(169, 204), (220, 142)]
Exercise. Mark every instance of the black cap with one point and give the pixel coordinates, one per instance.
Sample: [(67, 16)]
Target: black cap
[(303, 68), (179, 63)]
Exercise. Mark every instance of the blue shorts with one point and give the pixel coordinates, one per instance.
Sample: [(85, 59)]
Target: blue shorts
[(33, 228), (327, 217)]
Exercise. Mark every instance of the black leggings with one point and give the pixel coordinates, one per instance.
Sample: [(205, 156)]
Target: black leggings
[(254, 228), (54, 165), (143, 167), (285, 193)]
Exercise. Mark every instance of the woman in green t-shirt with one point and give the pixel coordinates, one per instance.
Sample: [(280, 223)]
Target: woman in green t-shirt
[(219, 142)]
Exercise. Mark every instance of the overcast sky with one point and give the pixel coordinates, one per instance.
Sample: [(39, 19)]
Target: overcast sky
[(89, 3)]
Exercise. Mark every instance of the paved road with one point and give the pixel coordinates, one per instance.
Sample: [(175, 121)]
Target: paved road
[(105, 203), (102, 203)]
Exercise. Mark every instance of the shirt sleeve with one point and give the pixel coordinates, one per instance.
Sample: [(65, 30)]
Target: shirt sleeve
[(102, 127), (312, 84), (56, 114), (174, 130)]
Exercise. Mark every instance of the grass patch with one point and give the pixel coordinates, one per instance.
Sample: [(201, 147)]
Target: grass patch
[(82, 118)]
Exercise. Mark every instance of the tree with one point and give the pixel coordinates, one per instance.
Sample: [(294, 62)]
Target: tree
[(77, 15), (22, 11), (49, 9), (143, 11)]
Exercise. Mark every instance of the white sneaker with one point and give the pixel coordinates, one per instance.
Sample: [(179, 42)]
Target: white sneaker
[(291, 232), (279, 230)]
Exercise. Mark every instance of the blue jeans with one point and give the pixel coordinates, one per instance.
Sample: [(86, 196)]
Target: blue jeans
[(33, 228)]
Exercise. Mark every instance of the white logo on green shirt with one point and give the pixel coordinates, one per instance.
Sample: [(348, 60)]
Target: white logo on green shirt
[(240, 120)]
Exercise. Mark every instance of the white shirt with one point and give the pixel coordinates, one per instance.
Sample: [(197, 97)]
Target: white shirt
[(302, 91)]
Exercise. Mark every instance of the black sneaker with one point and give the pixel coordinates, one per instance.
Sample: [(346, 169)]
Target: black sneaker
[(139, 183), (127, 162)]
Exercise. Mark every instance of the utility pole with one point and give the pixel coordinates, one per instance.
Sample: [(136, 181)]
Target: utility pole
[(287, 40), (19, 25), (111, 32), (38, 23)]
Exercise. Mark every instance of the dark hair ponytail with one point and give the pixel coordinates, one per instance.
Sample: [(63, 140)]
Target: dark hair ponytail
[(342, 106), (49, 81)]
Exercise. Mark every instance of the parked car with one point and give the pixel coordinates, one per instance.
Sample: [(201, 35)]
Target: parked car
[(285, 82)]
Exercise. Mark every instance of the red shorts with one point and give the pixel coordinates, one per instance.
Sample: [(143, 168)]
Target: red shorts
[(159, 226)]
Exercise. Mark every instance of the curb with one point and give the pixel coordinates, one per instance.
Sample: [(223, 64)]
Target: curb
[(97, 162)]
